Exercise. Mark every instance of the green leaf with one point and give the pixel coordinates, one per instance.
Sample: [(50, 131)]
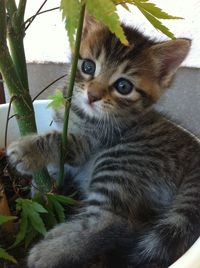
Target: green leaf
[(125, 6), (65, 200), (157, 24), (4, 219), (22, 228), (154, 10), (59, 210), (125, 2), (56, 202), (31, 234), (49, 218), (105, 11), (57, 100), (29, 214), (20, 202), (37, 222), (70, 12), (38, 208), (4, 255), (151, 12), (121, 2)]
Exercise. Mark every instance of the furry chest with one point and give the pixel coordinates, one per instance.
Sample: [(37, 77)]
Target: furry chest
[(82, 174)]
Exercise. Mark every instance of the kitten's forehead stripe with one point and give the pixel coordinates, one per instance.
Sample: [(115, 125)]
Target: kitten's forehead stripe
[(95, 50), (128, 69), (116, 51)]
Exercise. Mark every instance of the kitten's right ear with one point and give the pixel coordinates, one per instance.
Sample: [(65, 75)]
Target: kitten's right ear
[(168, 56)]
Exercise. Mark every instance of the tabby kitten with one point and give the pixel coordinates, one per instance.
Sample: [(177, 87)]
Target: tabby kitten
[(139, 174)]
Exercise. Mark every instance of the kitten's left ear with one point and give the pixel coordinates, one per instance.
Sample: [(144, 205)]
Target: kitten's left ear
[(90, 23), (168, 56)]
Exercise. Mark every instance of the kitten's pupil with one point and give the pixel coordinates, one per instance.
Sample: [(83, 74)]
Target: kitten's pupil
[(123, 86), (88, 67)]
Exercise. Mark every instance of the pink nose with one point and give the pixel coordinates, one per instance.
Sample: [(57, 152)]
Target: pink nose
[(92, 98)]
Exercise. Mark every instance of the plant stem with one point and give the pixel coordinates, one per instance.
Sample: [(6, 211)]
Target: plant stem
[(38, 11), (44, 89), (22, 104), (16, 34), (69, 94), (21, 11), (11, 7), (7, 122), (18, 89), (2, 92)]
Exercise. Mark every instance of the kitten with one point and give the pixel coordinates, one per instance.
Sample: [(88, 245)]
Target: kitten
[(139, 174)]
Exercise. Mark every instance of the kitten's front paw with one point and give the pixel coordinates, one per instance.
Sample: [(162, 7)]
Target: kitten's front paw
[(23, 156), (52, 253), (44, 255), (61, 248)]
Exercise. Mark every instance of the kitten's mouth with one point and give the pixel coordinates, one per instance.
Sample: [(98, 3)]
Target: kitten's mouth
[(90, 104), (89, 108)]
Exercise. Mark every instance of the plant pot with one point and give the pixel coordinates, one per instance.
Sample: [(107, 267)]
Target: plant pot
[(191, 259), (43, 120)]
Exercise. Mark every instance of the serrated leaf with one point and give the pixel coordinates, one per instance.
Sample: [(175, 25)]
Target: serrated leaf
[(125, 6), (59, 210), (105, 11), (157, 24), (65, 200), (31, 234), (4, 219), (50, 218), (151, 12), (121, 2), (57, 100), (30, 211), (155, 11), (4, 255), (30, 220), (131, 2), (36, 222), (38, 208), (19, 202), (70, 12), (23, 225)]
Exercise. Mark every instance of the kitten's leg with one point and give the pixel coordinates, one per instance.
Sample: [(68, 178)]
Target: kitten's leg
[(174, 224), (177, 229), (76, 243), (33, 152)]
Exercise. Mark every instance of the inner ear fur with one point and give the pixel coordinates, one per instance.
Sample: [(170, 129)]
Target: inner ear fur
[(167, 57), (90, 24)]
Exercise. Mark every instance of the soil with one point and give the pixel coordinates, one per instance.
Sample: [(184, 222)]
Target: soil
[(14, 185)]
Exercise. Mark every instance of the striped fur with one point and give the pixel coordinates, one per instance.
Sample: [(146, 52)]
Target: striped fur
[(138, 173)]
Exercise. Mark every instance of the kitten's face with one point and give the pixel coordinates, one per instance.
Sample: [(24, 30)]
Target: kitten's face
[(114, 80)]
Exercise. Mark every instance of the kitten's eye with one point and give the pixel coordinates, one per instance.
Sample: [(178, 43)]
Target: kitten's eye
[(123, 86), (88, 67)]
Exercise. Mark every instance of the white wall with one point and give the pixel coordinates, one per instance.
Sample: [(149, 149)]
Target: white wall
[(46, 38)]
